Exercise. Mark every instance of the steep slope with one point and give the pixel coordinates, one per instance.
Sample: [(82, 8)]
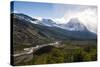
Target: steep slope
[(25, 17), (25, 34)]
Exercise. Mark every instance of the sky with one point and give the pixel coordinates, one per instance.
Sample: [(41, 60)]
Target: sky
[(61, 13)]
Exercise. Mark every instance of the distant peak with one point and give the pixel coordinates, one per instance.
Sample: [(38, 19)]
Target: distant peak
[(75, 24)]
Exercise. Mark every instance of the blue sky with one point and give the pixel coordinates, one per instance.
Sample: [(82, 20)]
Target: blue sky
[(48, 10), (34, 9)]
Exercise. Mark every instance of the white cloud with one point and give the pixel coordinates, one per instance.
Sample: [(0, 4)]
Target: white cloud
[(87, 16)]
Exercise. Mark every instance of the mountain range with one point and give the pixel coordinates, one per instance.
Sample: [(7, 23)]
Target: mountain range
[(27, 29)]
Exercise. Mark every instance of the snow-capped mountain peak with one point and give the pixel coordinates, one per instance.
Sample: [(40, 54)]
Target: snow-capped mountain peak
[(74, 25), (47, 22)]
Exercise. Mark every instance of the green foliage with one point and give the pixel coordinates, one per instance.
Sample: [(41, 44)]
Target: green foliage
[(54, 56), (57, 55), (68, 53)]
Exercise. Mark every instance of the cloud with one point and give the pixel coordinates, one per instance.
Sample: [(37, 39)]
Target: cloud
[(87, 16)]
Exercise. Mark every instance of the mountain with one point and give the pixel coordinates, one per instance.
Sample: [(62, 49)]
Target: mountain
[(74, 25), (76, 29), (44, 22), (47, 22), (25, 17), (25, 33)]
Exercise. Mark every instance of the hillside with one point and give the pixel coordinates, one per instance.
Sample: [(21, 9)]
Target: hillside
[(26, 35)]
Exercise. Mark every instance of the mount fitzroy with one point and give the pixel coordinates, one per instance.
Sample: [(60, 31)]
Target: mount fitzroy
[(27, 29)]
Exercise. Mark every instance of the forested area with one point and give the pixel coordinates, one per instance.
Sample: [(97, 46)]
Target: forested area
[(72, 51)]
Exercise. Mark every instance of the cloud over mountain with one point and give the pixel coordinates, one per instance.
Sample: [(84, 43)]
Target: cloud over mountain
[(87, 16)]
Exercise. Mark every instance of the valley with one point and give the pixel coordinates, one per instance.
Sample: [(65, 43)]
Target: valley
[(68, 49)]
